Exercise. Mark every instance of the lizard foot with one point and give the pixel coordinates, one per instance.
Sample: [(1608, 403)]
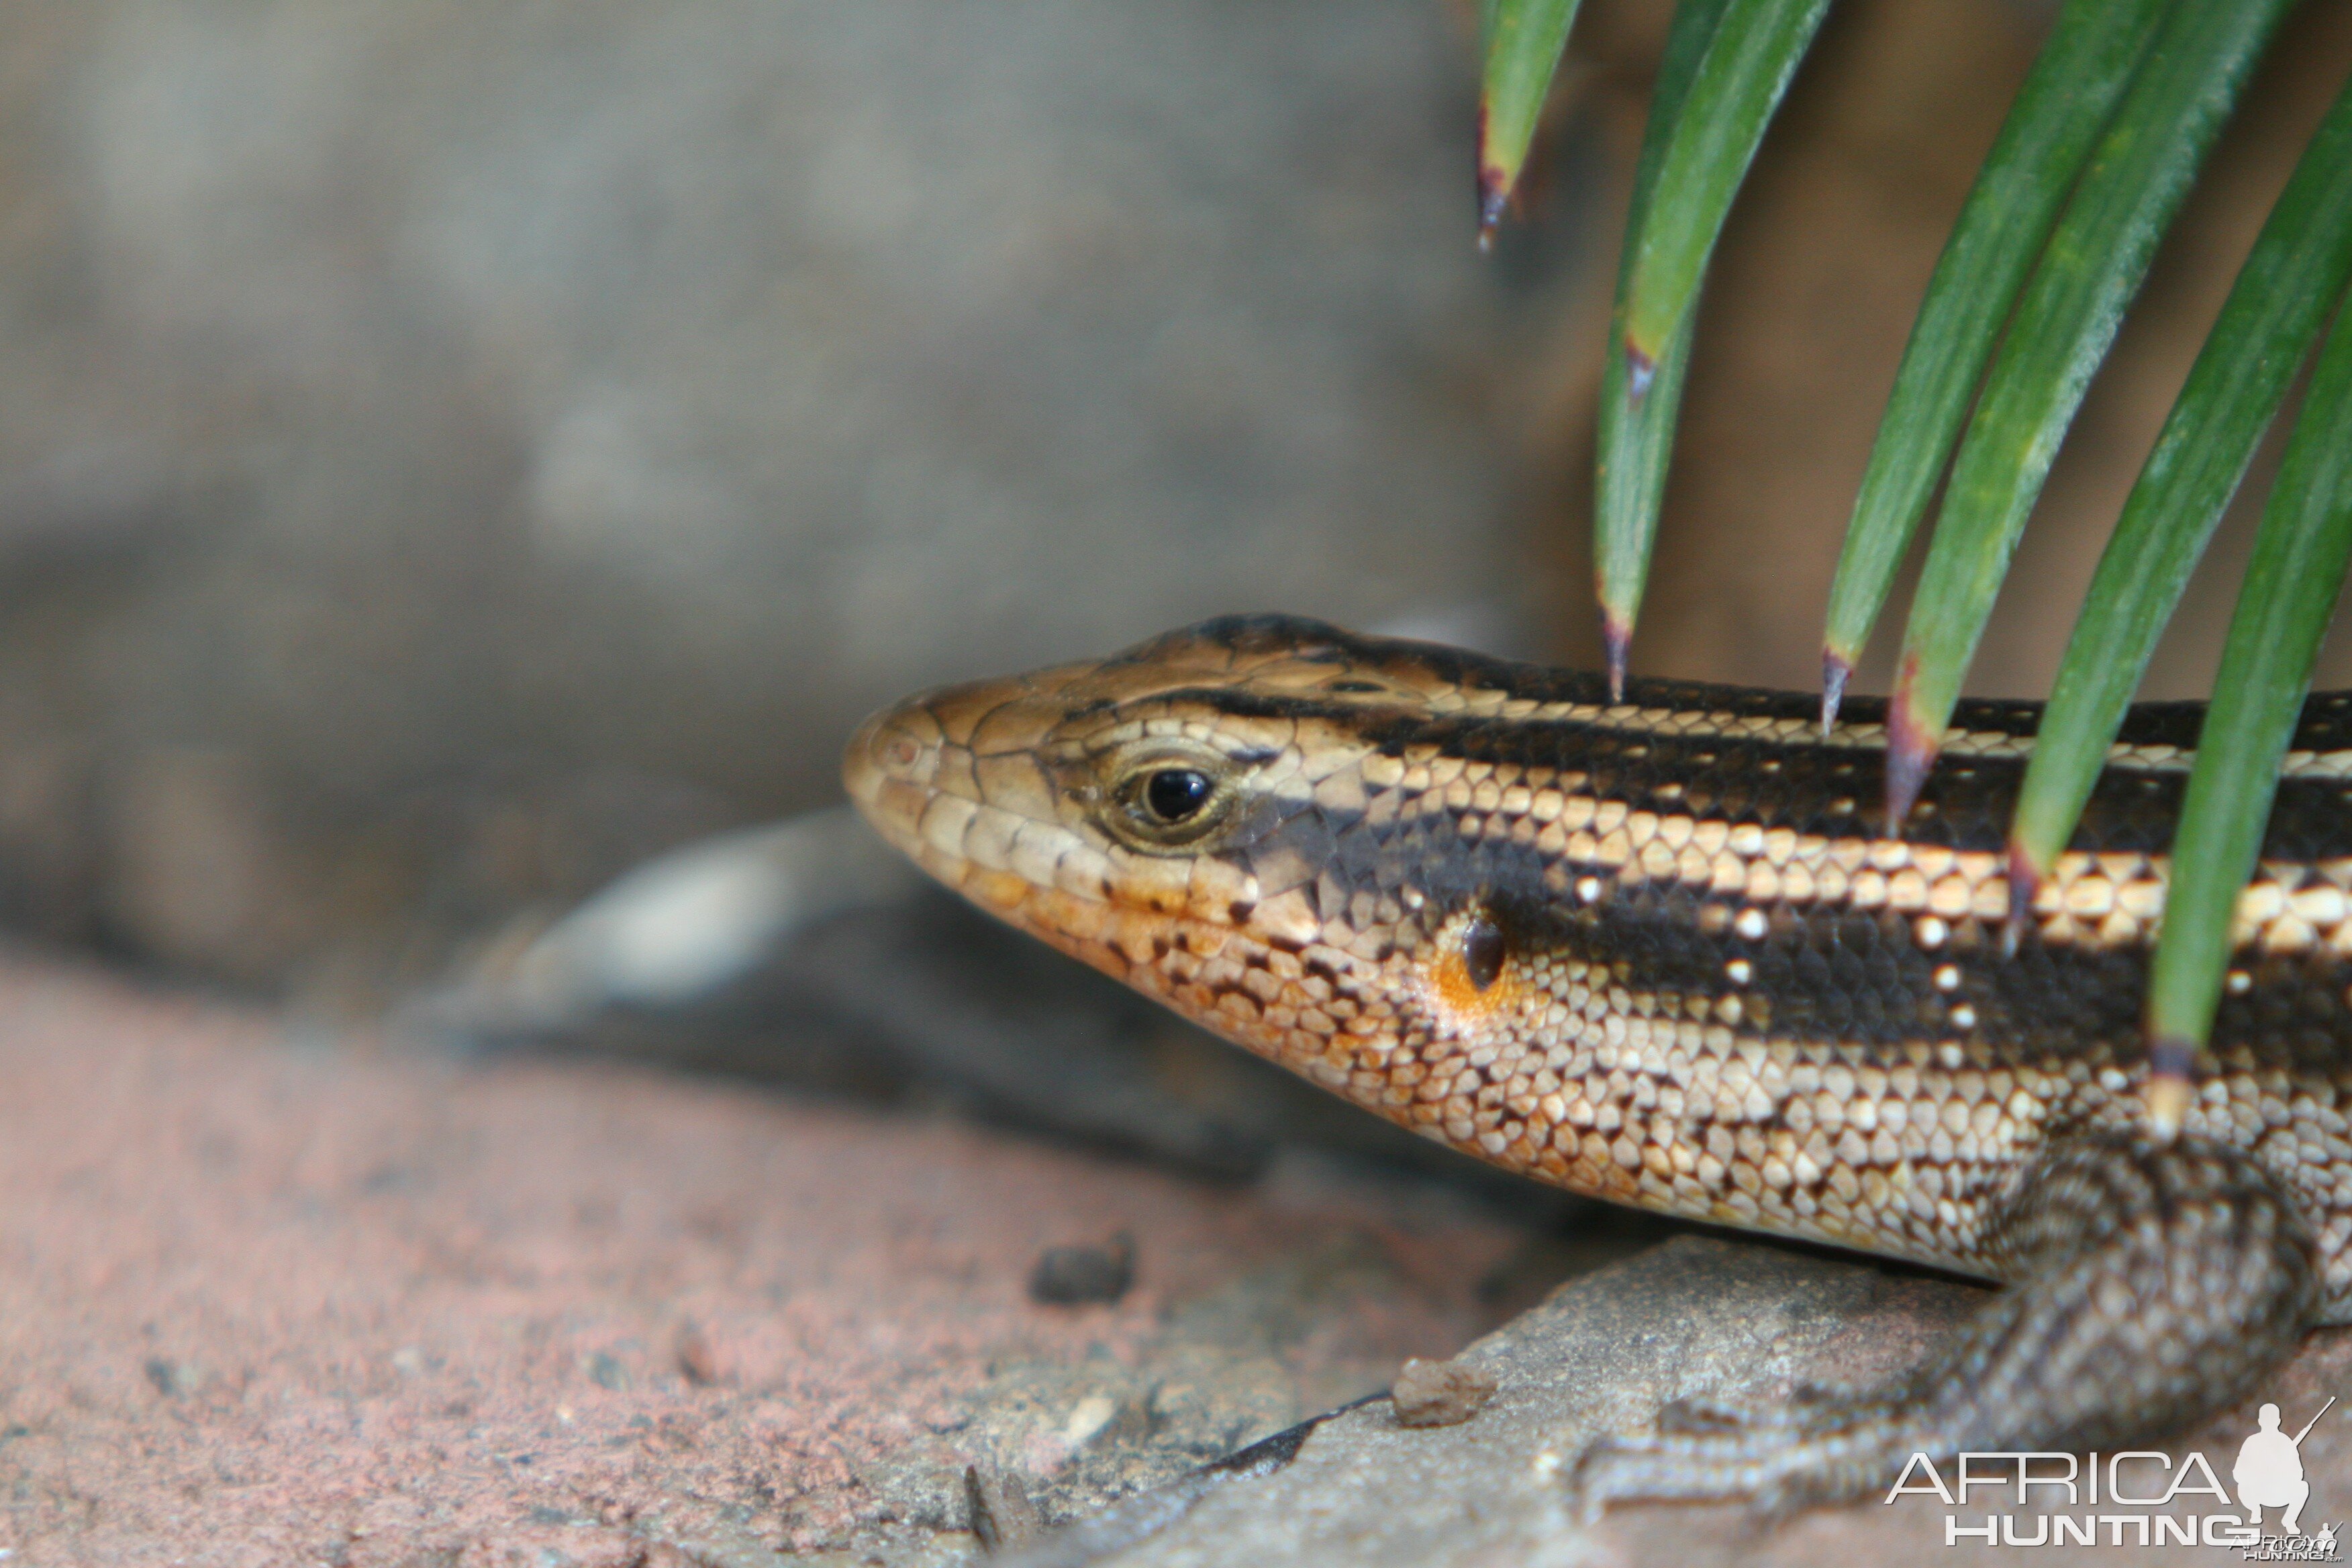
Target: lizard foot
[(2156, 1284)]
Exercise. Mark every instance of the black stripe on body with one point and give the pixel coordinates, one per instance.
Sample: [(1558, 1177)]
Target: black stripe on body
[(1831, 790), (1821, 972), (2326, 724)]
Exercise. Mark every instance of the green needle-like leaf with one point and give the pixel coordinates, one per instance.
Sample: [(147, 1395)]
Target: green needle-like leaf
[(1728, 64), (2064, 322), (1524, 41), (2290, 591), (1754, 52), (2297, 270), (2066, 101), (1636, 438)]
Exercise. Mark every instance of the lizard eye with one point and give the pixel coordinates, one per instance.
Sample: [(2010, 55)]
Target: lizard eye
[(1173, 795), (1163, 802)]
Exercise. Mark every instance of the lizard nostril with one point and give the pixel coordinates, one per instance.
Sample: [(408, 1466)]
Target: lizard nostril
[(889, 752), (894, 751)]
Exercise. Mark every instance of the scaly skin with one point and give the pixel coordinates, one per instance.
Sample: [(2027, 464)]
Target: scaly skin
[(1658, 953)]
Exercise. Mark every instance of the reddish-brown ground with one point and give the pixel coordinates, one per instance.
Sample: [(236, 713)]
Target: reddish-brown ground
[(272, 1301)]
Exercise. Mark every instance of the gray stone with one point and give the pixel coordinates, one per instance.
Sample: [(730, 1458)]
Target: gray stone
[(1696, 1317), (1693, 1316), (429, 416)]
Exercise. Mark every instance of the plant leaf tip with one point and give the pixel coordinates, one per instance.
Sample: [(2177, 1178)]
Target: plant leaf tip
[(2171, 1064), (1910, 752), (1616, 642), (1494, 201), (1836, 670), (2024, 888)]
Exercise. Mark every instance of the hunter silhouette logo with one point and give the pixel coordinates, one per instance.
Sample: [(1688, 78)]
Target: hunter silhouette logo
[(2139, 1497), (2269, 1471)]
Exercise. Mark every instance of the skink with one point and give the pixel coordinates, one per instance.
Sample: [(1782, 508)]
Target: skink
[(1662, 952)]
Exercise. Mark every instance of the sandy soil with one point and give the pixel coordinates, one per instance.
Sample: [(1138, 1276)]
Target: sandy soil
[(265, 1301)]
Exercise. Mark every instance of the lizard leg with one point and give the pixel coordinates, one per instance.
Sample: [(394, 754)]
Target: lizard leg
[(2156, 1284)]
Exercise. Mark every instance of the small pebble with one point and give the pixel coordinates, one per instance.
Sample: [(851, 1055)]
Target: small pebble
[(1439, 1393), (1070, 1276)]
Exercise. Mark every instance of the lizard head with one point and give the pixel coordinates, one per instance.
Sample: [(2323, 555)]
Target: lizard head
[(1179, 786), (1208, 817), (1231, 818)]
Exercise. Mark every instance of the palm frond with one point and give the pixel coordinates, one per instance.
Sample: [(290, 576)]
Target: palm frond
[(2065, 320), (2064, 103), (2291, 279), (2283, 607), (2103, 141)]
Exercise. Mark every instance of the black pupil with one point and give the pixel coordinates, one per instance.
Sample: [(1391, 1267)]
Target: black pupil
[(1173, 794)]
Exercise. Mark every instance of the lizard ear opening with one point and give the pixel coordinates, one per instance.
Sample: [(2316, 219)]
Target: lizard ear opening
[(1469, 975), (1484, 949)]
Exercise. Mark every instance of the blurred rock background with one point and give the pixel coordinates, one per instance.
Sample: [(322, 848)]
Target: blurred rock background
[(450, 452)]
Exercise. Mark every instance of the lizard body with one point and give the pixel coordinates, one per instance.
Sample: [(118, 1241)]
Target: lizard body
[(1659, 951)]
